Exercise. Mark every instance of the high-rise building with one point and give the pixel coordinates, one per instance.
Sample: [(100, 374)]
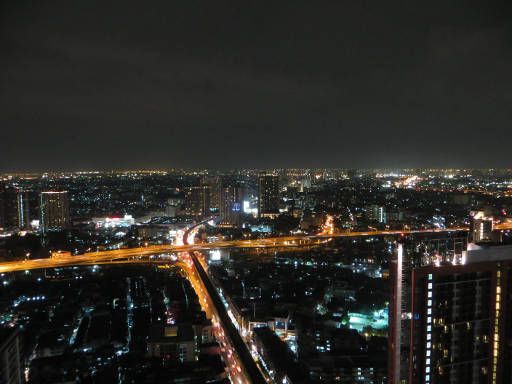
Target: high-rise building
[(197, 201), (54, 210), (214, 183), (10, 208), (23, 208), (412, 252), (231, 205), (481, 227), (377, 213), (11, 366), (451, 313), (268, 195), (15, 207)]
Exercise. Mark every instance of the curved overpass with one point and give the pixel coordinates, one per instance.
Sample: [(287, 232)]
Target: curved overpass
[(136, 254)]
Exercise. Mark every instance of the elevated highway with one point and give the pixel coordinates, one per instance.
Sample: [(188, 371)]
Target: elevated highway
[(145, 254)]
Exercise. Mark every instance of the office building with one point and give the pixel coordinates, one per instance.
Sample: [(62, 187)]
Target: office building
[(214, 183), (11, 365), (197, 201), (450, 313), (231, 204), (54, 210), (268, 195)]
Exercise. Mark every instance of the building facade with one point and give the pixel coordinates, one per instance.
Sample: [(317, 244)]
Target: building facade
[(231, 205), (15, 208), (54, 208), (482, 227), (450, 313), (268, 195), (11, 365), (197, 201)]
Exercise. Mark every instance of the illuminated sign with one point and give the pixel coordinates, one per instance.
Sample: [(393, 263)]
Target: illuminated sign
[(236, 207)]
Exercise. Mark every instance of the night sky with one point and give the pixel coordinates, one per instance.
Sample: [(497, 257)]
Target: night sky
[(212, 84)]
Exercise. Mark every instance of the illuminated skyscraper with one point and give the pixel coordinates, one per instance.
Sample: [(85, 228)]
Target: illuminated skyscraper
[(412, 252), (450, 313), (14, 209), (268, 195), (23, 205), (481, 227), (214, 183), (54, 210), (231, 201), (197, 201), (377, 213)]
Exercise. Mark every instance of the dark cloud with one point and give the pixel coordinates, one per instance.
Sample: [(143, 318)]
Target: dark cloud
[(234, 84)]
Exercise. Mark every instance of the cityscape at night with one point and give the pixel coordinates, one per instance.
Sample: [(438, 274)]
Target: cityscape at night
[(283, 192), (278, 276)]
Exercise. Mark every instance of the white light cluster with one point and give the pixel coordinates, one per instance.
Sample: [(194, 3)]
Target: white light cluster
[(428, 333), (496, 341)]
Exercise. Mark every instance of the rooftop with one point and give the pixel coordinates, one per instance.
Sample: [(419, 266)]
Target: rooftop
[(480, 254)]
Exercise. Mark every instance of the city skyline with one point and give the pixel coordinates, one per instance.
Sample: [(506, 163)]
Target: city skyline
[(251, 276)]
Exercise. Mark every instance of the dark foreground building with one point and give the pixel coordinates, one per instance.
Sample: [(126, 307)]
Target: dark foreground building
[(451, 314), (268, 195), (11, 366)]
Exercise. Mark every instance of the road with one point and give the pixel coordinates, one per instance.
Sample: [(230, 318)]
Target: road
[(234, 366), (140, 254), (239, 362), (241, 367)]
